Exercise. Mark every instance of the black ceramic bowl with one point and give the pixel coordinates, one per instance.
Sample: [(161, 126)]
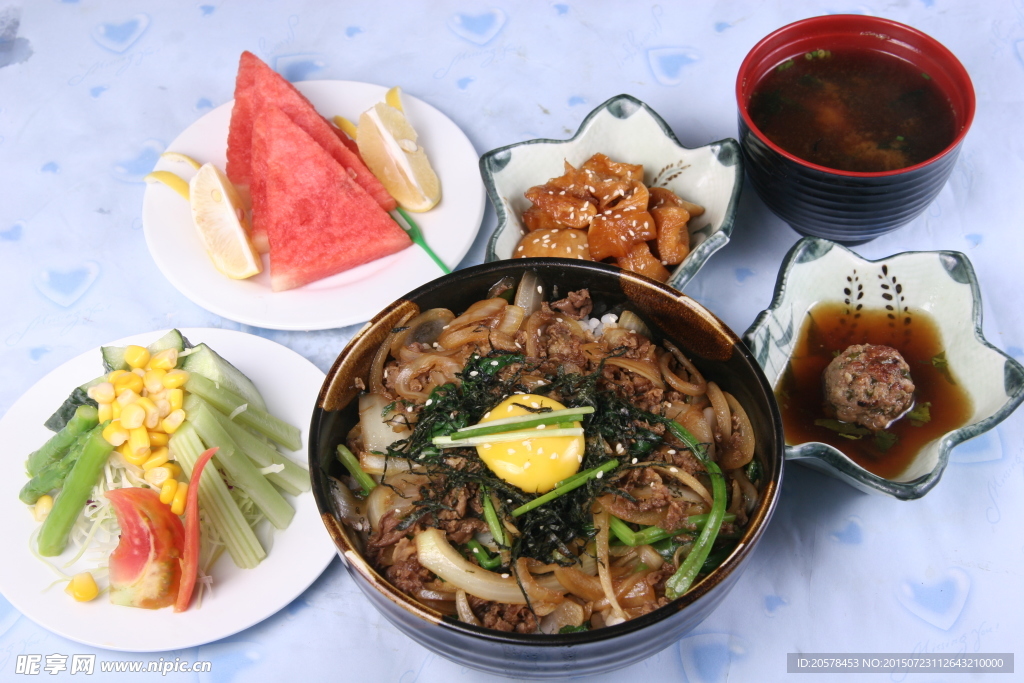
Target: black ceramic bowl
[(847, 206), (712, 346)]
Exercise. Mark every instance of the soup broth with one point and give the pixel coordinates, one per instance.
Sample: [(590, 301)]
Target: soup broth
[(828, 330), (856, 110)]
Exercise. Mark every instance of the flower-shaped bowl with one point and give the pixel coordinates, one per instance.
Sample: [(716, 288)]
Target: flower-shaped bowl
[(626, 130), (941, 284)]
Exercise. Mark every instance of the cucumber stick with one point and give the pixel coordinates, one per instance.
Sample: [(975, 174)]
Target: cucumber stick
[(202, 360), (216, 502), (227, 401), (293, 479), (53, 534), (239, 469)]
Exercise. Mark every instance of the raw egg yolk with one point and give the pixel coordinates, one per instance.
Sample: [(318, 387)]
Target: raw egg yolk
[(536, 464)]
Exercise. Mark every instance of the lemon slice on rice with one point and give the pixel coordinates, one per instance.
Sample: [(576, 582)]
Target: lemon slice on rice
[(221, 223), (388, 144)]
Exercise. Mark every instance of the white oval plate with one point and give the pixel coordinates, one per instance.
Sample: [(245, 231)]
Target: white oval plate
[(240, 597), (352, 296)]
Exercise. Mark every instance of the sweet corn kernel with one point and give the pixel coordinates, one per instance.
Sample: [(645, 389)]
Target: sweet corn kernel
[(126, 396), (82, 587), (176, 397), (159, 457), (167, 491), (165, 360), (163, 407), (42, 507), (136, 356), (153, 380), (128, 380), (173, 469), (152, 414), (178, 504), (175, 379), (102, 392), (114, 374), (141, 372), (171, 423), (105, 412), (157, 439), (137, 459), (133, 416), (157, 476), (138, 440), (115, 433), (115, 410)]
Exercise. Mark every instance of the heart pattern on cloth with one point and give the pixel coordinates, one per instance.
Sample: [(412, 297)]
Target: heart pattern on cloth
[(938, 602), (65, 287), (707, 657), (134, 170), (478, 28), (119, 37), (852, 533), (667, 63)]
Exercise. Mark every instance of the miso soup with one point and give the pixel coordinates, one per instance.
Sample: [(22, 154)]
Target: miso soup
[(854, 110)]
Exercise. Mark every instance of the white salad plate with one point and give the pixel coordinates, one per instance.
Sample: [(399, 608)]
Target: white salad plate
[(240, 598), (350, 297)]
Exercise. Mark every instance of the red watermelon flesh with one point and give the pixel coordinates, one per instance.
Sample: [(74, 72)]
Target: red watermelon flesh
[(257, 85), (318, 220)]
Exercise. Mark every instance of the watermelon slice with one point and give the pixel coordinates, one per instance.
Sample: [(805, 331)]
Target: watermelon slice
[(318, 220), (256, 85)]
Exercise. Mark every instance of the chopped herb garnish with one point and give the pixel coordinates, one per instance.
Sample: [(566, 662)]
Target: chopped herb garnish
[(849, 430), (568, 628), (940, 363), (885, 440), (788, 64), (920, 415)]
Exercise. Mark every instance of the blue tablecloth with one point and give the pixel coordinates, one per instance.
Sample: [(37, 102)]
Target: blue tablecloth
[(91, 92)]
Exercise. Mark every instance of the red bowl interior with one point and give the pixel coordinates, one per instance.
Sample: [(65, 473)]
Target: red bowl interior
[(854, 31)]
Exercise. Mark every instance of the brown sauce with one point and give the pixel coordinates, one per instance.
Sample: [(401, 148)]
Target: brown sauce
[(856, 110), (831, 327)]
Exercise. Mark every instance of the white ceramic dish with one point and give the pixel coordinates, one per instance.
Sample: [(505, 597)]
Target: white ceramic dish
[(240, 597), (939, 283), (343, 299), (626, 130)]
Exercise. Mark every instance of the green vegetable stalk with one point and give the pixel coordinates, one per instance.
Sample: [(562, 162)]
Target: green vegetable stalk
[(84, 419), (53, 534)]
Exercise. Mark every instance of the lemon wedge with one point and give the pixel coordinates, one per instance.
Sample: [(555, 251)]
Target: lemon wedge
[(220, 221), (394, 98), (346, 126), (171, 180), (388, 144)]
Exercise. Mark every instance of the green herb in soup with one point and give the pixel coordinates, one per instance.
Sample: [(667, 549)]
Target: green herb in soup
[(853, 111)]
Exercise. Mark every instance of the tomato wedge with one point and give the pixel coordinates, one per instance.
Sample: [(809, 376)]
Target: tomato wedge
[(145, 568), (190, 561)]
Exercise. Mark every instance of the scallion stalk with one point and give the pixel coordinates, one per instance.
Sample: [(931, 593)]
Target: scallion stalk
[(573, 482), (491, 517), (505, 437), (349, 460), (509, 424), (482, 556)]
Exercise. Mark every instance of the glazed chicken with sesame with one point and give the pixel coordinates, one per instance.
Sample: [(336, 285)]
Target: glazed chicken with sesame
[(603, 211)]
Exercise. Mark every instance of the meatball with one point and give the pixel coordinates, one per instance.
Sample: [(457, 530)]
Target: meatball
[(868, 384)]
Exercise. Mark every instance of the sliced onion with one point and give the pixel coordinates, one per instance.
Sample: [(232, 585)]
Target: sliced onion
[(741, 450), (533, 326), (750, 494), (511, 320), (350, 510), (723, 417), (639, 367), (696, 424), (576, 582), (603, 563), (530, 294), (381, 357), (535, 591), (567, 613), (649, 556), (620, 507), (484, 309), (436, 554), (687, 479), (378, 430), (399, 495), (425, 328), (631, 321), (427, 364), (695, 385), (373, 463), (463, 609)]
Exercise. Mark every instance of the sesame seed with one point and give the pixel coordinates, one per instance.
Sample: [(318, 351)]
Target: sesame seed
[(579, 457), (599, 475), (505, 576), (408, 409), (535, 240), (511, 451), (526, 466), (673, 470), (487, 445), (634, 461), (664, 263), (619, 449), (487, 414), (538, 426), (671, 451), (520, 248), (534, 404), (558, 319), (561, 193), (540, 450), (508, 409), (508, 500), (494, 362), (540, 289), (476, 550), (618, 215), (429, 401), (568, 250), (554, 456), (473, 373)]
